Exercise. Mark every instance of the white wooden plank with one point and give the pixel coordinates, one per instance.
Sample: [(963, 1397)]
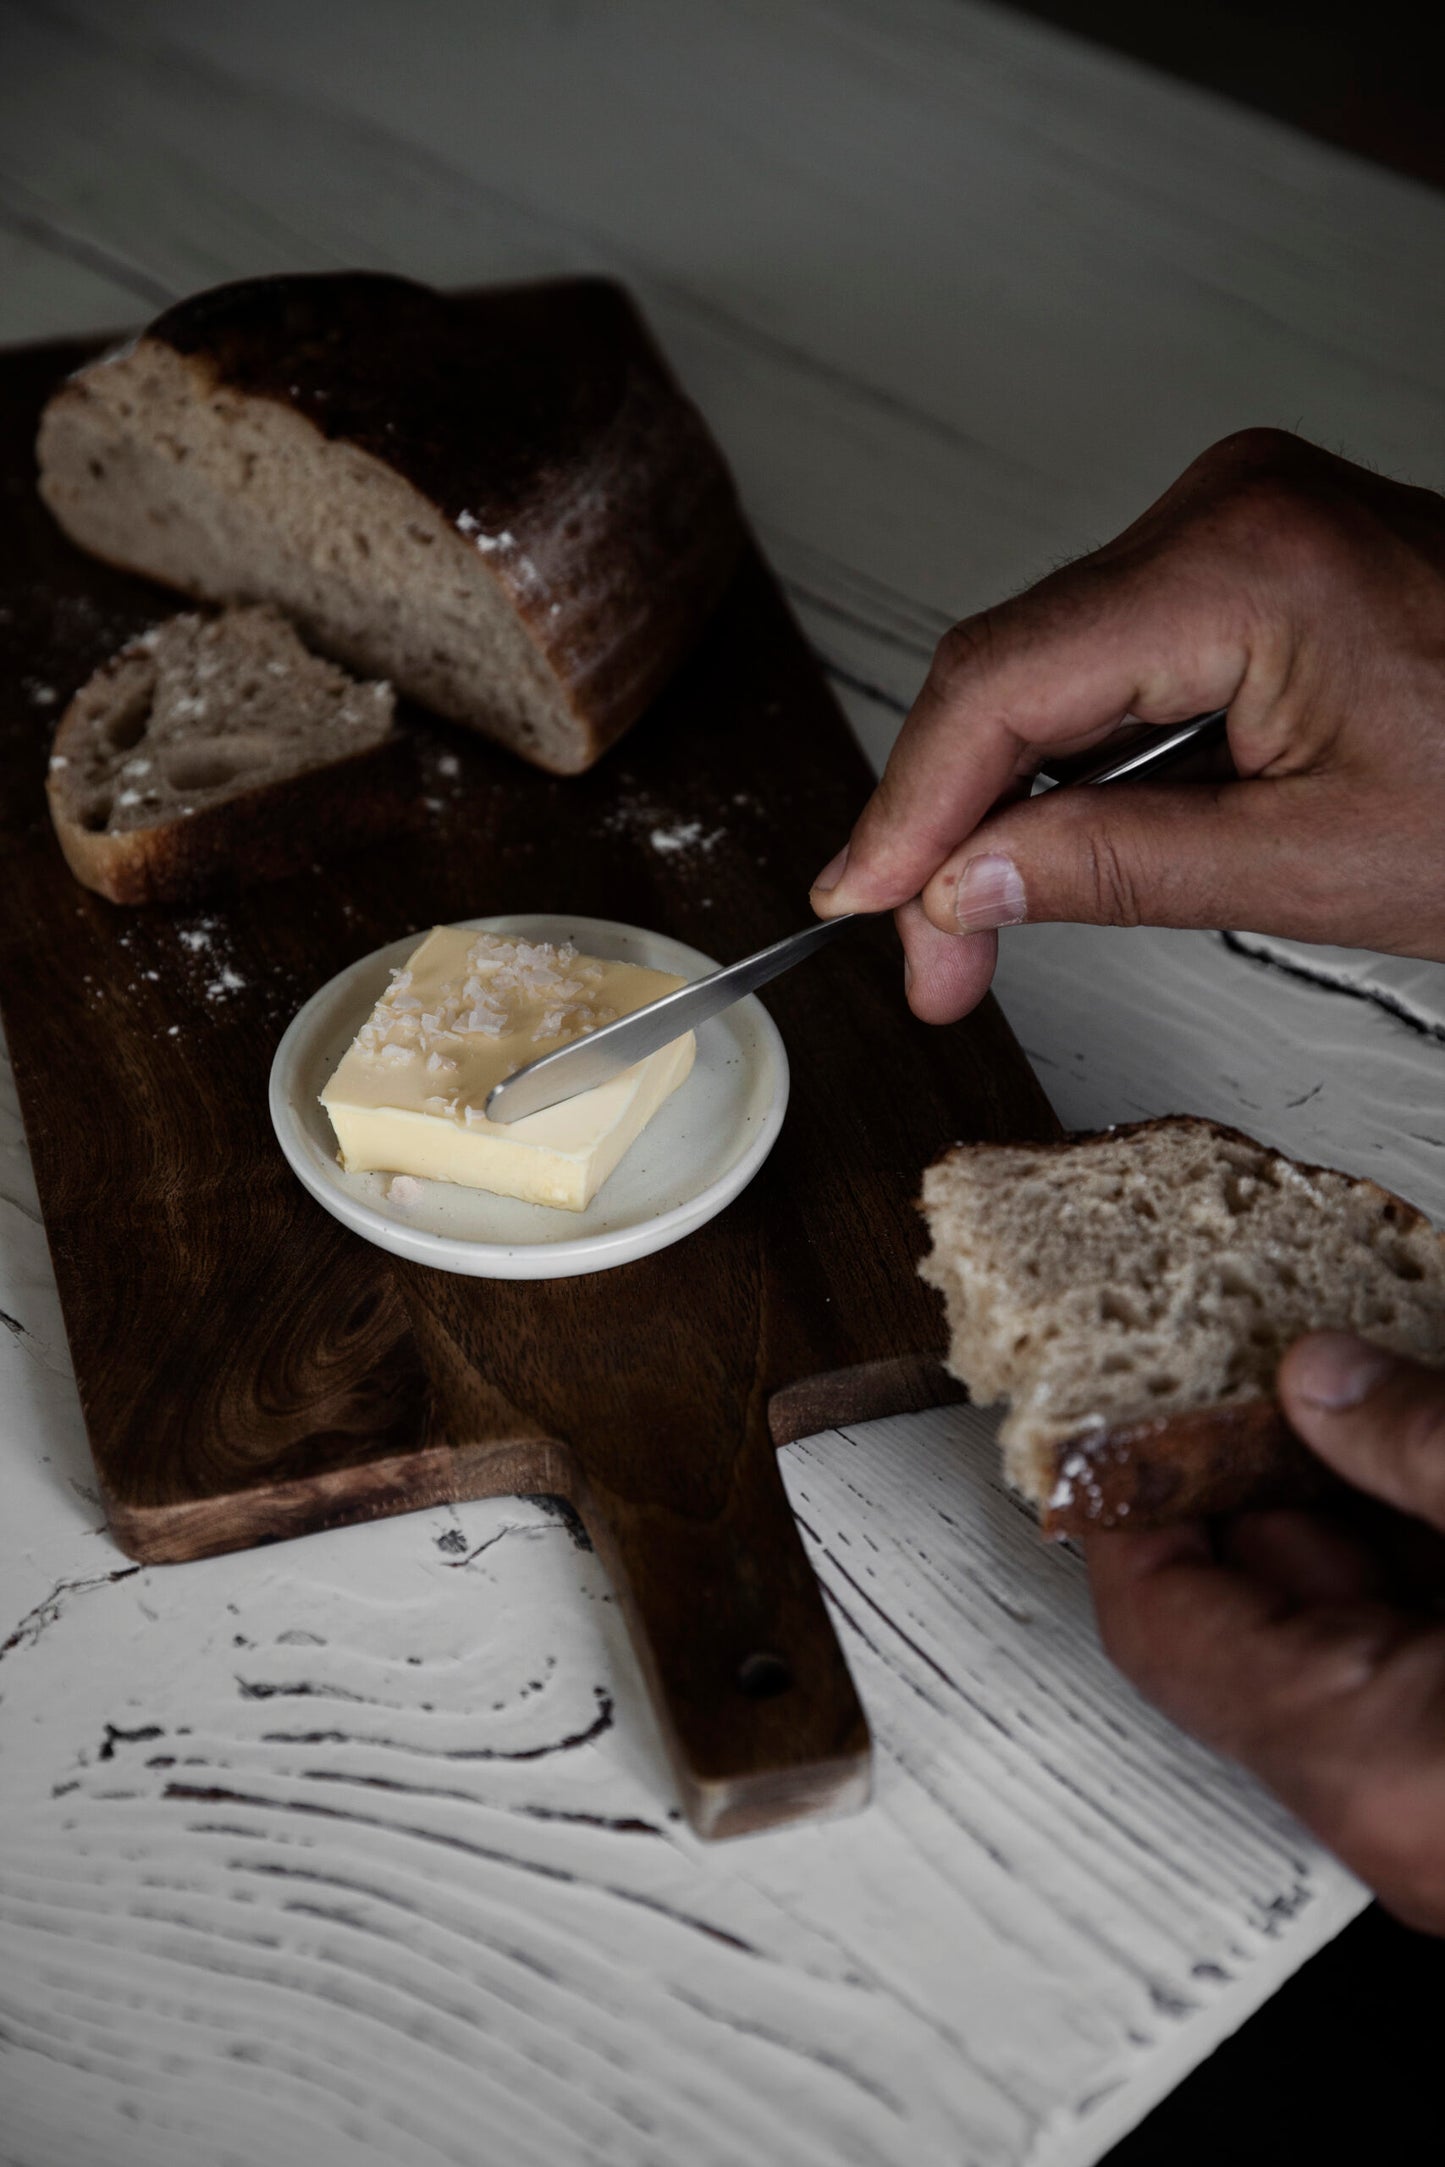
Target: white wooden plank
[(377, 1824), (1410, 988), (1125, 1024), (48, 290)]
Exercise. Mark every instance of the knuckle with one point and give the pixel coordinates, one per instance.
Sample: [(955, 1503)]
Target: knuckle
[(1271, 512), (1279, 502), (1234, 464), (882, 806), (1268, 493), (1110, 882), (1255, 450), (880, 851), (961, 654)]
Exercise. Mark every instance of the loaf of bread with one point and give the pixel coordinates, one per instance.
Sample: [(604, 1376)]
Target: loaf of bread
[(215, 751), (1129, 1294), (499, 501)]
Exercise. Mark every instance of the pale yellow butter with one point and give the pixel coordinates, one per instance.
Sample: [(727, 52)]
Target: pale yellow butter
[(467, 1010)]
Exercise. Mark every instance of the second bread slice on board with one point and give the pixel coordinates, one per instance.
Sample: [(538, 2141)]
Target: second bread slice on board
[(214, 751)]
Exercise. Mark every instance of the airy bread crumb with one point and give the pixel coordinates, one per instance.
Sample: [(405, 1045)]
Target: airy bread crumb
[(1130, 1294), (215, 749)]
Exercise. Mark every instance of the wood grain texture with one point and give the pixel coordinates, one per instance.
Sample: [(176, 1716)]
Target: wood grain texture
[(253, 1372), (366, 1855), (1336, 1060)]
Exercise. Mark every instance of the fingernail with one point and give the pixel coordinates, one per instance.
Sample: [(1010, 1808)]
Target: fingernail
[(990, 893), (907, 978), (832, 873), (1335, 1370)]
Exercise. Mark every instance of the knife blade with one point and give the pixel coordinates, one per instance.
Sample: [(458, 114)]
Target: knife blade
[(606, 1052), (584, 1063)]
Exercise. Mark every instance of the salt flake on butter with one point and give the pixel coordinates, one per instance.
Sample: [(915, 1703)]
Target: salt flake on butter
[(477, 1007)]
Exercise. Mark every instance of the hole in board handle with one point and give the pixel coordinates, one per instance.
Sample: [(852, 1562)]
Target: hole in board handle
[(763, 1677)]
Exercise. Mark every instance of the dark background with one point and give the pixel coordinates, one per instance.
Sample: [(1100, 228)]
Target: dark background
[(1366, 77), (1341, 2065)]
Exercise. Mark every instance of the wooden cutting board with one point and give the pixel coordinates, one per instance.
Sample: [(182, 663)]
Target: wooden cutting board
[(250, 1370)]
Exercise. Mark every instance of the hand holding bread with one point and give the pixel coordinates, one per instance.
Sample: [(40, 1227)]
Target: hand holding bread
[(1310, 1645), (1304, 594)]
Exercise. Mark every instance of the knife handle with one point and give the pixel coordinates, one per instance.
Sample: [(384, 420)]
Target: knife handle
[(1133, 753)]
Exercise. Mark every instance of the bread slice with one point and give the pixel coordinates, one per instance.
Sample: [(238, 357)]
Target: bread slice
[(1130, 1295), (500, 501), (216, 750)]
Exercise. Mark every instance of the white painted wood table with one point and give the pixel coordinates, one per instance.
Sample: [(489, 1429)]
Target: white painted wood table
[(363, 1847)]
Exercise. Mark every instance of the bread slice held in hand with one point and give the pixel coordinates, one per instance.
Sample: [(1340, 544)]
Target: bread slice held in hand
[(216, 751), (500, 501), (1130, 1294)]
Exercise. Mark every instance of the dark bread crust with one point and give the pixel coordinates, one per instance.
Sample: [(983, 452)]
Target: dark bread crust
[(1181, 1467), (543, 413), (262, 834), (1156, 1471)]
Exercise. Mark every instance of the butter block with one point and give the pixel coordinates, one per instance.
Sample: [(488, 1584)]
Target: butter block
[(466, 1010)]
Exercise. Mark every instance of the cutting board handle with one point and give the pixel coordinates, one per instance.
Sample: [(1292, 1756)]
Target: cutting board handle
[(645, 1413), (756, 1704)]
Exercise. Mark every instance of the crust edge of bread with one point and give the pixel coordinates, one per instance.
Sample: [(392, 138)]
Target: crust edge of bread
[(1152, 1473), (265, 833), (1155, 1471), (1222, 1131)]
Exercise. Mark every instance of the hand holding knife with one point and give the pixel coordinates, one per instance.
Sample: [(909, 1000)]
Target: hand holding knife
[(586, 1062)]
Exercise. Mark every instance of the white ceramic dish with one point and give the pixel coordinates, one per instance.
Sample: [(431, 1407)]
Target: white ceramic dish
[(696, 1154)]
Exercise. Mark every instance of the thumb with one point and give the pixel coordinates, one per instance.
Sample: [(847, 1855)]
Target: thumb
[(1264, 854), (1374, 1417)]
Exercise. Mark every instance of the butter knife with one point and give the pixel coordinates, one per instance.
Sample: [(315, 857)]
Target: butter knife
[(584, 1063)]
